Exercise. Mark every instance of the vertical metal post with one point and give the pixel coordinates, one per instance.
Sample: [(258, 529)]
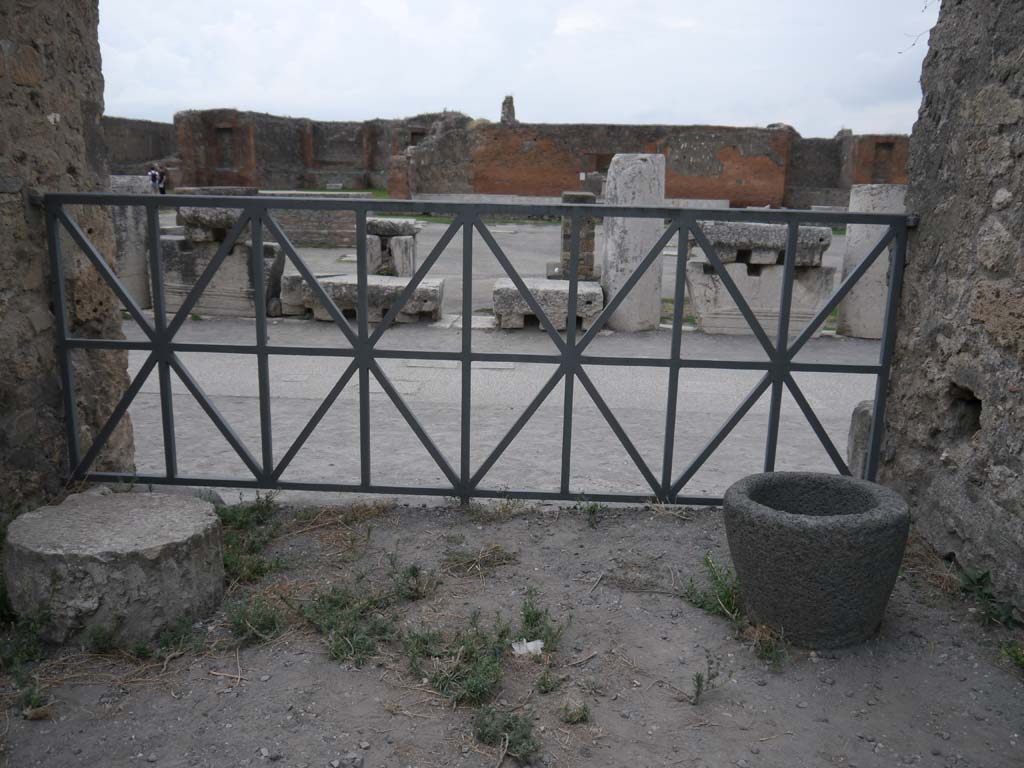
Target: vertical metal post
[(67, 373), (780, 358), (896, 263), (570, 345), (262, 357), (682, 254), (363, 352), (465, 471), (163, 342)]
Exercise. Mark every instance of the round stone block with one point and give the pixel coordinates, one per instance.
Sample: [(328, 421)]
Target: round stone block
[(816, 555), (126, 563)]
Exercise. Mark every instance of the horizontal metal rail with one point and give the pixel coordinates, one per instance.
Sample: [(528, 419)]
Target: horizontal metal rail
[(256, 215)]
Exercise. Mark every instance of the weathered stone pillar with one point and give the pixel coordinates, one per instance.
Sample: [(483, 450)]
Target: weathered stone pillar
[(955, 417), (131, 239), (633, 180), (51, 139), (508, 111), (862, 313)]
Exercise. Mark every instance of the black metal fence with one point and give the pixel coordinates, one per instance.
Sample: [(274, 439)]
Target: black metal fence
[(666, 485)]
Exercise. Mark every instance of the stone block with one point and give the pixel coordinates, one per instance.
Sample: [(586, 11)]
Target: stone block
[(761, 287), (401, 255), (295, 299), (230, 291), (374, 254), (27, 66), (861, 313), (392, 227), (130, 239), (382, 293), (586, 270), (633, 180), (764, 244), (510, 308), (860, 433), (216, 220), (127, 563)]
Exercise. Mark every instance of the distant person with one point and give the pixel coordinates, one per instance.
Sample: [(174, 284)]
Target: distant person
[(154, 179), (161, 180)]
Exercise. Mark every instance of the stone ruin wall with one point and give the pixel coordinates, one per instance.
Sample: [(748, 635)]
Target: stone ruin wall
[(955, 435), (137, 144), (51, 139)]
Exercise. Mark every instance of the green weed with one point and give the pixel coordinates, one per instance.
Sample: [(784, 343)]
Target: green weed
[(1014, 653), (537, 624), (547, 683), (511, 733), (705, 680), (247, 530), (723, 596), (574, 714), (591, 510), (255, 620), (99, 639), (991, 610)]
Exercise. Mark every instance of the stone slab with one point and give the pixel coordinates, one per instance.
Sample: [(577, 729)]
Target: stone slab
[(761, 287), (294, 299), (130, 238), (401, 255), (382, 293), (230, 291), (392, 227), (126, 563), (510, 308), (754, 243)]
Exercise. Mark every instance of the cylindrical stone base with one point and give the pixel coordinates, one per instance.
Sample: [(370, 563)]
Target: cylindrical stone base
[(126, 563)]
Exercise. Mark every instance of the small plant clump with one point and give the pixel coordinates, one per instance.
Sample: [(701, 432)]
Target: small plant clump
[(547, 682), (1014, 653), (574, 714), (704, 680), (768, 645), (591, 510), (247, 530), (991, 610), (537, 624), (466, 665), (723, 596), (255, 620), (99, 639), (469, 562), (511, 733)]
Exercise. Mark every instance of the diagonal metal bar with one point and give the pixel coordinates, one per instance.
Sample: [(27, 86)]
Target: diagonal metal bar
[(722, 433), (318, 290), (115, 417), (215, 416), (211, 269), (416, 279), (262, 357), (841, 292), (620, 433), (672, 403), (734, 291), (517, 281), (524, 417), (816, 425), (619, 297), (317, 417), (108, 275), (414, 424)]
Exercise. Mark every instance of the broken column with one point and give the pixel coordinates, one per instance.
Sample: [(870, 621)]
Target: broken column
[(862, 313), (391, 246), (130, 238), (633, 180), (753, 255)]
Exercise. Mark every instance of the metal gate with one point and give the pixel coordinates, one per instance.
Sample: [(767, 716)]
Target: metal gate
[(666, 485)]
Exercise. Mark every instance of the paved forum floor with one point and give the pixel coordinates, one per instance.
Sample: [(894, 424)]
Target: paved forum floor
[(500, 392)]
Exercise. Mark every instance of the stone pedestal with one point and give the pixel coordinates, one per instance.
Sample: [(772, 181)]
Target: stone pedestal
[(126, 564), (860, 434), (382, 292), (862, 313), (764, 244), (391, 246), (130, 238), (230, 292), (633, 180), (587, 226), (510, 308)]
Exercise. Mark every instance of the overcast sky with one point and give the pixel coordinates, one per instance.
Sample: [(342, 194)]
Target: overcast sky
[(819, 65)]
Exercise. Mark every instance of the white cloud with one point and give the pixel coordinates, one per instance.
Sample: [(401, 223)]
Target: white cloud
[(817, 66)]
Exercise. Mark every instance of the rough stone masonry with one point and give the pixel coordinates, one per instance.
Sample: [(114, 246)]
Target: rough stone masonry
[(955, 437), (51, 99)]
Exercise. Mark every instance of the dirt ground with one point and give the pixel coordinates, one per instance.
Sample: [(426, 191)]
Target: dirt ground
[(931, 690)]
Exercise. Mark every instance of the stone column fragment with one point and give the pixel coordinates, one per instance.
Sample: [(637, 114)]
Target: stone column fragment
[(633, 180), (862, 313)]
